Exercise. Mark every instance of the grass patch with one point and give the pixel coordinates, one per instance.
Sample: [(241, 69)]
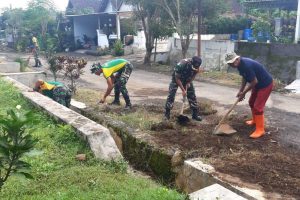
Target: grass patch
[(58, 175)]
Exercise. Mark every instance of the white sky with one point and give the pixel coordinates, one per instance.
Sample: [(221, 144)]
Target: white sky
[(59, 4)]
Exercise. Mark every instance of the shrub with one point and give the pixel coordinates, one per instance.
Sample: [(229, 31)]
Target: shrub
[(15, 141), (118, 48)]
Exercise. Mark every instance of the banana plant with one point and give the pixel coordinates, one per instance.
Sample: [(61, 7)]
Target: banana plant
[(15, 141)]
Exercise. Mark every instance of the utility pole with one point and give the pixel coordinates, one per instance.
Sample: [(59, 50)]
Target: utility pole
[(199, 29)]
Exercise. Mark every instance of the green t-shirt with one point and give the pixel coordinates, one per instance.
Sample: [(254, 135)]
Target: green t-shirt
[(49, 93)]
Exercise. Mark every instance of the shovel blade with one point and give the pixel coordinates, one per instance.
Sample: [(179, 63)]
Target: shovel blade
[(224, 129), (182, 119)]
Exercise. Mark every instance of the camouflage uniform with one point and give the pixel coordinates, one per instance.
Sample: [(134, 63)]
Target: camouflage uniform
[(35, 52), (122, 77), (36, 57), (62, 95), (183, 70), (56, 91)]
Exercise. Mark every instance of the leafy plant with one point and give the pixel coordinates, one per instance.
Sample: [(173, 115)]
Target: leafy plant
[(261, 25), (71, 67), (14, 143), (118, 48)]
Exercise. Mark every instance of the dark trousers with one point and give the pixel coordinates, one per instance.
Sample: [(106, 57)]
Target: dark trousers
[(62, 95), (191, 96), (120, 83)]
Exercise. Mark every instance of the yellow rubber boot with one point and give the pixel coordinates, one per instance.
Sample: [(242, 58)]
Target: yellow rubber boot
[(260, 127), (251, 122)]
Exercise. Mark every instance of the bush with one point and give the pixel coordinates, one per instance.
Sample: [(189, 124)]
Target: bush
[(118, 48), (227, 25), (15, 141)]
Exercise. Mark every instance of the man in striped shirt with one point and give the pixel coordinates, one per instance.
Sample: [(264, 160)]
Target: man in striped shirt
[(117, 73)]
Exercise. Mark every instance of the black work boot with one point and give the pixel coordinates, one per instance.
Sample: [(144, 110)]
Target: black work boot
[(128, 106), (127, 101), (115, 102), (117, 99), (196, 116), (167, 114)]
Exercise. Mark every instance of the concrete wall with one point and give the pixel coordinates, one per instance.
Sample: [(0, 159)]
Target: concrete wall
[(212, 52), (139, 41), (85, 25), (279, 59)]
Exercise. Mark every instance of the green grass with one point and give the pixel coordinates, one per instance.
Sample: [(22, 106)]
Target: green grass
[(58, 175)]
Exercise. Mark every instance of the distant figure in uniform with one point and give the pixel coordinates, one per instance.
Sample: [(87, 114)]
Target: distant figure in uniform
[(117, 73), (35, 50), (54, 90), (183, 75)]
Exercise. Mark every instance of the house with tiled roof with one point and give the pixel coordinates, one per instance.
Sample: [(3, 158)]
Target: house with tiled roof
[(97, 18)]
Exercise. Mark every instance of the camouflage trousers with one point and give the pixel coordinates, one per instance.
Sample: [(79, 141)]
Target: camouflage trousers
[(120, 84), (62, 95), (191, 96), (36, 57)]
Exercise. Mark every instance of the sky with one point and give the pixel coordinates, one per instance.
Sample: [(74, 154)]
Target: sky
[(60, 4)]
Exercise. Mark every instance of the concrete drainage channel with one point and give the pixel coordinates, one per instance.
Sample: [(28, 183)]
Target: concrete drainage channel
[(201, 181)]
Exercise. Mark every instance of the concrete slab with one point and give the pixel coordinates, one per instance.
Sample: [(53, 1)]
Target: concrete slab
[(9, 67), (2, 59), (214, 192)]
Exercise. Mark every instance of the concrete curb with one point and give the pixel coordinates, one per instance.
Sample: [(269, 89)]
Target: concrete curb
[(101, 142)]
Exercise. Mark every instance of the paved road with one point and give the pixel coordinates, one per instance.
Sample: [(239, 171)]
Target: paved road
[(283, 111), (141, 79)]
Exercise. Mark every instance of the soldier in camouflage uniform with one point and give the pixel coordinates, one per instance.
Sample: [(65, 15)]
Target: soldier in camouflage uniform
[(184, 73), (54, 90), (117, 73), (35, 51)]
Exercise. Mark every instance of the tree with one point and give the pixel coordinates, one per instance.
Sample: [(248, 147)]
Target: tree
[(183, 16), (148, 13), (14, 21), (39, 14), (162, 30)]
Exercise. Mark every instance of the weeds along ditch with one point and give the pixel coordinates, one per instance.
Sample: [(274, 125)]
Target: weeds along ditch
[(273, 167), (57, 174)]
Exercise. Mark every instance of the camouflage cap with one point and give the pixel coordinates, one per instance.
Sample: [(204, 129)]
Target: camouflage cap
[(95, 67), (231, 57)]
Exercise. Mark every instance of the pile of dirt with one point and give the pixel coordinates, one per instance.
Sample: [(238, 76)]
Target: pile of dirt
[(262, 161)]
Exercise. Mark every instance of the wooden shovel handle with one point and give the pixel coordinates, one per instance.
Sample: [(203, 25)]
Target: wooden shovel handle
[(228, 112), (182, 106)]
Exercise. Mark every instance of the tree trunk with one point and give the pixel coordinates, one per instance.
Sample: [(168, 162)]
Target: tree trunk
[(147, 58), (149, 47), (155, 50), (184, 47)]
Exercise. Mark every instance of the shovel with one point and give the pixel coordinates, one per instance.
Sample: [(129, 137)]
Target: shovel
[(182, 119), (225, 129)]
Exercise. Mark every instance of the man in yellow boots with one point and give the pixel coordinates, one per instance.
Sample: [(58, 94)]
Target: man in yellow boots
[(260, 82)]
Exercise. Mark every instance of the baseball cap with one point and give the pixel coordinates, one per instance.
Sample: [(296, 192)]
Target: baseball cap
[(231, 57)]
